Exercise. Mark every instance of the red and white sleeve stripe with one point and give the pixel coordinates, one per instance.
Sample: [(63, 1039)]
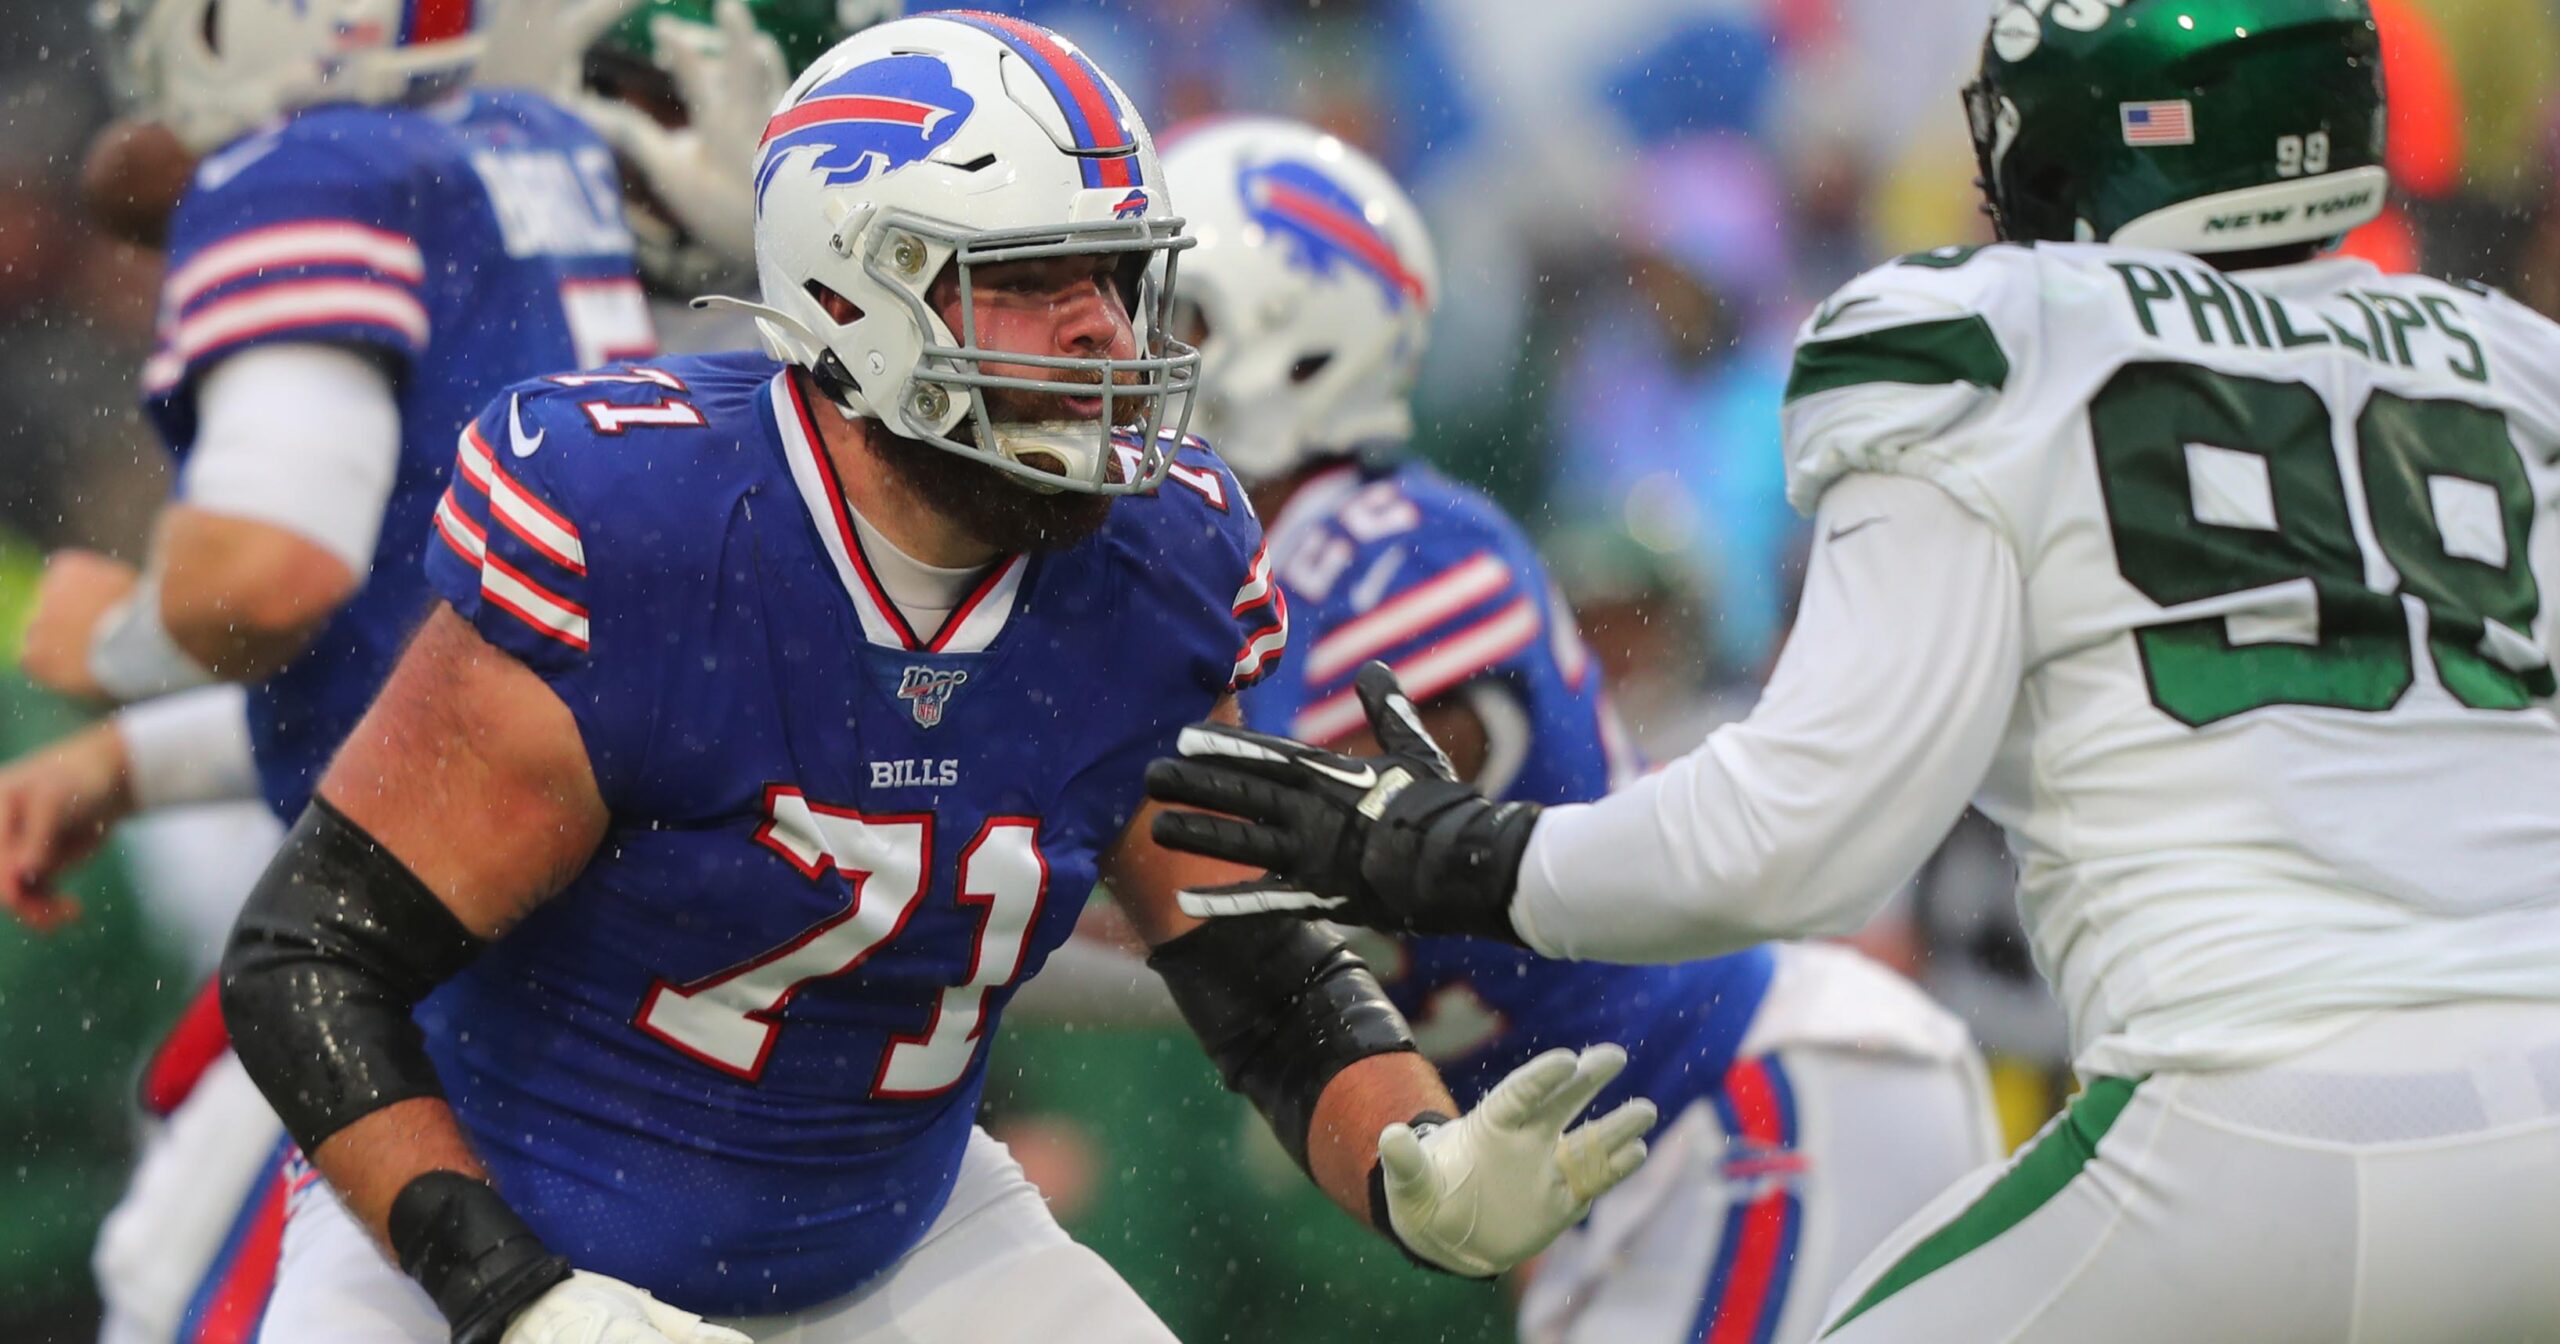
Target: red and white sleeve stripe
[(1443, 665), (301, 303), (1407, 615), (507, 587), (533, 522), (280, 247), (458, 531), (540, 527), (1265, 642)]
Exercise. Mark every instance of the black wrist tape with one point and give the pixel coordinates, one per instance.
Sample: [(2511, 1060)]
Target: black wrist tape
[(337, 943), (456, 1236), (1282, 1006)]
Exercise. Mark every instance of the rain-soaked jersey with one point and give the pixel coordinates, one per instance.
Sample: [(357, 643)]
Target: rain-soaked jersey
[(736, 1060), (2278, 757), (464, 246), (1406, 566)]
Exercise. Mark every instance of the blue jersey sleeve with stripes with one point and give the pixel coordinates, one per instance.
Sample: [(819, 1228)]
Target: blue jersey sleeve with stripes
[(1212, 567), (1414, 572), (295, 234), (511, 559), (549, 541)]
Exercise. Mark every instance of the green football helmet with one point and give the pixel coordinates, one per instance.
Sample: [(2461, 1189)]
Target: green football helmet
[(2199, 126), (684, 246), (804, 29)]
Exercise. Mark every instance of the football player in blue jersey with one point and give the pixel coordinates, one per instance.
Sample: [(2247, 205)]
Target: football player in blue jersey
[(1310, 297), (634, 961), (363, 252)]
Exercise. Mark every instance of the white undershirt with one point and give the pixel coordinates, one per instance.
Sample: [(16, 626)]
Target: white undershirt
[(1878, 724), (925, 594), (303, 437)]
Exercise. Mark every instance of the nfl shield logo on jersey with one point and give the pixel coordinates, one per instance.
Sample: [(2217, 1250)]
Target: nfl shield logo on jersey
[(927, 691)]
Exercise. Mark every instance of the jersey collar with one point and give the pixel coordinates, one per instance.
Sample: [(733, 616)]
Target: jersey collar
[(971, 626)]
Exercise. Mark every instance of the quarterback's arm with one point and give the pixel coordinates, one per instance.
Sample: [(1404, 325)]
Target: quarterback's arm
[(462, 800), (280, 504), (1878, 723)]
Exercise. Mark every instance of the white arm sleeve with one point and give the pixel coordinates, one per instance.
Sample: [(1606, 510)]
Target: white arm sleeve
[(305, 437), (1879, 721), (189, 748)]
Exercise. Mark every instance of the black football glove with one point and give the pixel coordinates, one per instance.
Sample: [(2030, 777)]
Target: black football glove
[(1391, 841)]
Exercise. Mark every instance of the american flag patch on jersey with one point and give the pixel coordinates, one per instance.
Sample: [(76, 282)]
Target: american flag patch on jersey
[(2164, 123)]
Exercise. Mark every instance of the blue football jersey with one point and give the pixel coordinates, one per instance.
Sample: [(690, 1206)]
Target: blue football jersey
[(1408, 567), (465, 246), (736, 1060)]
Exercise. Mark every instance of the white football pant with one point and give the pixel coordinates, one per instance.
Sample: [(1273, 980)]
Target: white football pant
[(994, 1268), (188, 1253), (1854, 1102), (2397, 1185)]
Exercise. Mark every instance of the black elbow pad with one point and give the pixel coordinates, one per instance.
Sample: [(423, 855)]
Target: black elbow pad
[(337, 943), (1282, 1005)]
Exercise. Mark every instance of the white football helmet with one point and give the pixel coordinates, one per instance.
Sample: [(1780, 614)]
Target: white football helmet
[(961, 140), (1309, 295), (212, 70)]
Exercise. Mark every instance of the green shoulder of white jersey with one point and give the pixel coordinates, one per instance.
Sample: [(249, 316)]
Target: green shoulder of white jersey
[(1899, 357)]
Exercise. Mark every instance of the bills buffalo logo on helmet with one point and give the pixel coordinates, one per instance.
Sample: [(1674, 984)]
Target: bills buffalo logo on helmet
[(875, 118), (927, 691), (1323, 226)]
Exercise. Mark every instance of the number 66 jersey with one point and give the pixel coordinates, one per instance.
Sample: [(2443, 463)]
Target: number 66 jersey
[(2279, 756), (735, 1061)]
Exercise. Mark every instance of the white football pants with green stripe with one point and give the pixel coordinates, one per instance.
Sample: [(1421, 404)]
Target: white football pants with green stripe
[(2398, 1185)]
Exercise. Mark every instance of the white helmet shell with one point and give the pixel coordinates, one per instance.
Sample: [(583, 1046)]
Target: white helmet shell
[(1314, 280), (962, 140), (213, 70)]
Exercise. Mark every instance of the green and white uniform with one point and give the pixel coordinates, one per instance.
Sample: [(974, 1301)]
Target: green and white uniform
[(2275, 759), (2219, 592)]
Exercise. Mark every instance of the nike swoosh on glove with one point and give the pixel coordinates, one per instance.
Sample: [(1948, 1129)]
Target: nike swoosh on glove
[(1488, 1190), (1391, 841), (593, 1309)]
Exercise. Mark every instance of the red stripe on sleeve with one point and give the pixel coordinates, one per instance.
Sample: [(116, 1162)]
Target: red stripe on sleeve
[(190, 1048), (439, 20)]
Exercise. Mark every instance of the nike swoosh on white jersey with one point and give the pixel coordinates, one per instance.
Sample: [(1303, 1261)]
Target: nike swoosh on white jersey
[(524, 445)]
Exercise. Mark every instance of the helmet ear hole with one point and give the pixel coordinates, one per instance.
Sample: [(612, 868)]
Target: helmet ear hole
[(212, 23), (1190, 321), (838, 308), (1308, 366)]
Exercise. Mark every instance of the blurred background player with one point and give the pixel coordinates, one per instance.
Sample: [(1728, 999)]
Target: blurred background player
[(1310, 297), (2215, 568), (681, 89), (720, 803), (362, 252)]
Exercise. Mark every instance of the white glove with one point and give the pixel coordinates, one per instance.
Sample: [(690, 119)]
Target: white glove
[(593, 1309), (729, 77), (542, 44), (1491, 1188)]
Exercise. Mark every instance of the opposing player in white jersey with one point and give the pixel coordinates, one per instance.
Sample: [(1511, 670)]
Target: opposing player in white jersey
[(1775, 1170), (2206, 564)]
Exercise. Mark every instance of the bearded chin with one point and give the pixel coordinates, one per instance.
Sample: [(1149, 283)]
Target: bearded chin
[(990, 505)]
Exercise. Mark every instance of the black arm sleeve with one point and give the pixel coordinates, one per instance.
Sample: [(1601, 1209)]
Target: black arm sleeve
[(336, 945), (338, 941), (1282, 1005)]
